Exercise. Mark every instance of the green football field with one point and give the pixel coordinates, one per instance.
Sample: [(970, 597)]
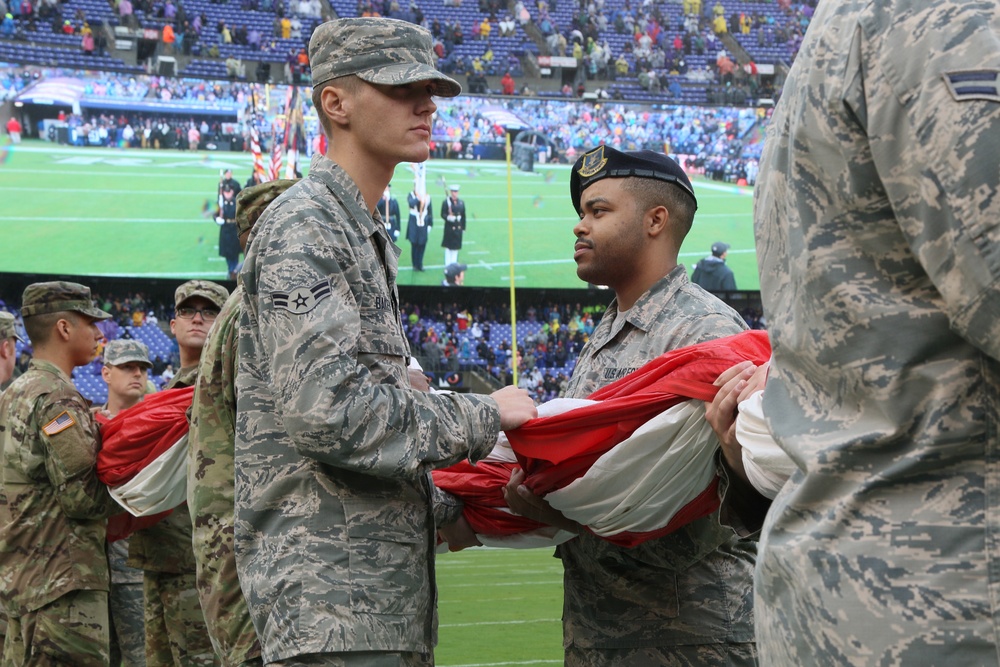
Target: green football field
[(499, 607), (141, 213)]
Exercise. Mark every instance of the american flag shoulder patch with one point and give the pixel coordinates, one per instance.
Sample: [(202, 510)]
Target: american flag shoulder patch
[(301, 300), (59, 424), (979, 84)]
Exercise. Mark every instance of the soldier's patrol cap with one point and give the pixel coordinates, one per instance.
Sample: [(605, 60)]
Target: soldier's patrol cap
[(57, 296), (215, 293), (123, 351), (8, 326), (606, 162), (251, 202), (377, 50)]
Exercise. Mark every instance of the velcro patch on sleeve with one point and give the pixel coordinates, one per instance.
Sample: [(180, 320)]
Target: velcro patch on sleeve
[(59, 424)]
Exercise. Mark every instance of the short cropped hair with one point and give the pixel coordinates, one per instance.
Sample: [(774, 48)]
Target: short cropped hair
[(650, 193), (39, 327), (349, 83)]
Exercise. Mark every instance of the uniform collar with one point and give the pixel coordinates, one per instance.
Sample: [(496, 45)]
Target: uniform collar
[(338, 181), (47, 367), (647, 309)]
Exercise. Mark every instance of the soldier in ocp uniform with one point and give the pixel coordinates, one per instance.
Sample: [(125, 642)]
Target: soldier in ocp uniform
[(126, 364), (876, 215), (175, 625), (53, 509), (335, 519), (8, 350), (686, 598), (211, 464), (8, 346)]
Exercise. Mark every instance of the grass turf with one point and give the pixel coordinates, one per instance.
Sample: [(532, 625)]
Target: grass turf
[(141, 213)]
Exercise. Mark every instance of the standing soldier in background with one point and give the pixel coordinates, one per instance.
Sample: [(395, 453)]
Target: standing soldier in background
[(8, 346), (53, 509), (175, 625), (211, 465), (335, 519), (453, 214), (126, 364), (418, 226), (388, 207), (8, 352), (229, 243)]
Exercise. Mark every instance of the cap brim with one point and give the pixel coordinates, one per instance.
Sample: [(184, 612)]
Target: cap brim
[(404, 73), (144, 362), (212, 298), (95, 313)]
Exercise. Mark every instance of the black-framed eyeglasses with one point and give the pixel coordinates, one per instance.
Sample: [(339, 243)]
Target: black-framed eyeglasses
[(187, 313)]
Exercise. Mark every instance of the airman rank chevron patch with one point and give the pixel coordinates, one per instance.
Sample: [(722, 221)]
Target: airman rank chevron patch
[(302, 299), (980, 84)]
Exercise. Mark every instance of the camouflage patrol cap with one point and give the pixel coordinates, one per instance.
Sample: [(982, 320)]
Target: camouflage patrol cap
[(251, 202), (8, 328), (123, 351), (377, 50), (57, 296), (215, 293), (606, 162)]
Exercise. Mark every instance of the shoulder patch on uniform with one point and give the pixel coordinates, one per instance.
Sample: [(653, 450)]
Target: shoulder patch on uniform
[(59, 424), (979, 84), (301, 300)]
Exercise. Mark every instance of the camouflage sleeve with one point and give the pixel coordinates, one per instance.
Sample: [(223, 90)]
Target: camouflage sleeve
[(446, 507), (71, 442), (332, 405), (935, 138)]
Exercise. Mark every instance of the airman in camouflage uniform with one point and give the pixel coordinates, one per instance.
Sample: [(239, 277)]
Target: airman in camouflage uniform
[(684, 599), (53, 509), (877, 217), (334, 527), (211, 464), (176, 633), (126, 363), (8, 336)]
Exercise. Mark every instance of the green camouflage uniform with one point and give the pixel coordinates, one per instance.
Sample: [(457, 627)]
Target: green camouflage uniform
[(684, 599), (211, 480), (211, 464), (334, 529), (53, 509), (175, 624), (877, 216), (52, 521), (7, 331)]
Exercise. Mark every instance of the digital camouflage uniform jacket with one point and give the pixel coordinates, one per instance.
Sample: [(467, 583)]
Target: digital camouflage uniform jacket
[(211, 490), (877, 217), (53, 514), (694, 585), (334, 531)]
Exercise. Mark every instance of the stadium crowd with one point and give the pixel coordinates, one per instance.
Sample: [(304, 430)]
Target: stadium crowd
[(445, 337)]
